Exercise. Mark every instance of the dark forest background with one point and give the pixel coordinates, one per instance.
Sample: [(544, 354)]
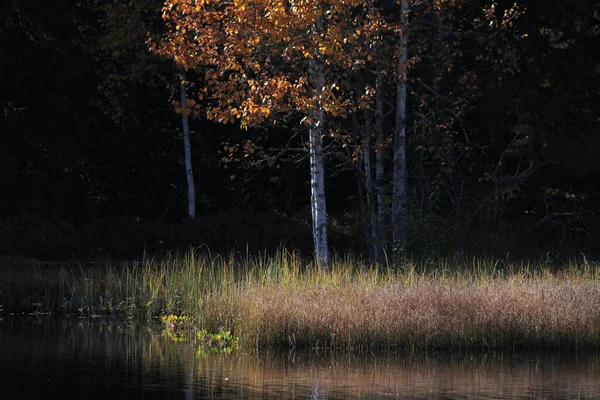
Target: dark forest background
[(91, 153)]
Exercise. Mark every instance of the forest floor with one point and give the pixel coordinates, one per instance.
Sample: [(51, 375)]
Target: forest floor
[(285, 301)]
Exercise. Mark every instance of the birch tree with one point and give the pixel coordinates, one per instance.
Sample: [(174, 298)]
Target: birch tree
[(435, 33), (444, 50), (317, 161), (187, 149), (268, 62)]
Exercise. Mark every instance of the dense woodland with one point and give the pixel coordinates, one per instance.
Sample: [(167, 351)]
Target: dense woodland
[(502, 128)]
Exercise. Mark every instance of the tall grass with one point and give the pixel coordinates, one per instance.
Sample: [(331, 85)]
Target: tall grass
[(285, 301)]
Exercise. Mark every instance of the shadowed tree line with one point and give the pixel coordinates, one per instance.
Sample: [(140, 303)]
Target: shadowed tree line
[(92, 160)]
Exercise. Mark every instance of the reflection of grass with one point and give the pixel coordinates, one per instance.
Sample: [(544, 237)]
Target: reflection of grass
[(283, 301), (141, 354)]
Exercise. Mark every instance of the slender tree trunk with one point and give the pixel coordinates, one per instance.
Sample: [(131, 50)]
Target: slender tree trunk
[(191, 191), (361, 182), (399, 211), (374, 241), (379, 158), (380, 207), (317, 164)]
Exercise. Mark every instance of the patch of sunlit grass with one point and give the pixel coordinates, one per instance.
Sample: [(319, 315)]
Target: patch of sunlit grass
[(286, 301)]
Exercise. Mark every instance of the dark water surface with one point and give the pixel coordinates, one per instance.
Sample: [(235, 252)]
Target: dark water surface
[(42, 358)]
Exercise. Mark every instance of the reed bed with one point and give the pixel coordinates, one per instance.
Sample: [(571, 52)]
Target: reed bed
[(285, 301)]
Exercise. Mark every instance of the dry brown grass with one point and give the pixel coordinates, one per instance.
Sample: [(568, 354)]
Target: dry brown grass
[(501, 312), (284, 301)]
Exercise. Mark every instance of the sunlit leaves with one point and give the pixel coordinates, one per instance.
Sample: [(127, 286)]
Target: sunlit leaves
[(255, 54)]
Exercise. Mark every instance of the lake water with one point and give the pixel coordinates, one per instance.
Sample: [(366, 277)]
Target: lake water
[(46, 357)]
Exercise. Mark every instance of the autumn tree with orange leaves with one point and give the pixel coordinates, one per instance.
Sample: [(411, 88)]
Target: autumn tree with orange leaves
[(316, 62), (266, 62)]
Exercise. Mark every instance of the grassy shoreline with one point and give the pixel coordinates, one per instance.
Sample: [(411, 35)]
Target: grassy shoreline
[(285, 302)]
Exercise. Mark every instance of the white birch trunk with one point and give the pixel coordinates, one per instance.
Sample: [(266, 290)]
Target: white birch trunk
[(191, 191), (399, 211), (317, 180), (317, 168), (317, 159)]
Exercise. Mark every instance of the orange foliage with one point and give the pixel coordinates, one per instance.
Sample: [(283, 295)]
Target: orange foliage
[(255, 54)]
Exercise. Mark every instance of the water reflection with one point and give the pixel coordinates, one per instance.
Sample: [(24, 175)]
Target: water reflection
[(46, 357)]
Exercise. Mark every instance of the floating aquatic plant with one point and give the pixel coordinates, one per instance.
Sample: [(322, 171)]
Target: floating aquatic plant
[(175, 326), (179, 328), (222, 342)]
